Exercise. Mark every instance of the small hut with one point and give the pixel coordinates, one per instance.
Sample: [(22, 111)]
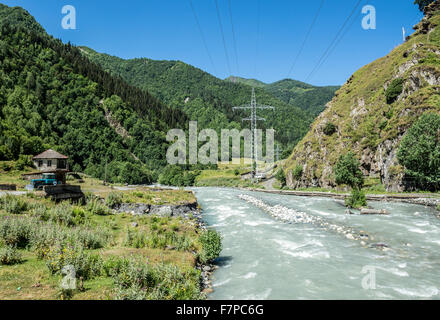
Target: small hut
[(49, 161)]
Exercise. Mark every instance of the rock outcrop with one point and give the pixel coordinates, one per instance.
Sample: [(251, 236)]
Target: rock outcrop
[(366, 122)]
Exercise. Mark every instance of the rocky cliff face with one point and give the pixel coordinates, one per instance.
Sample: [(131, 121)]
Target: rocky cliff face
[(369, 124)]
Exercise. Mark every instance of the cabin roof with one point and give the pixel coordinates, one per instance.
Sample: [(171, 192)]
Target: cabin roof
[(50, 154)]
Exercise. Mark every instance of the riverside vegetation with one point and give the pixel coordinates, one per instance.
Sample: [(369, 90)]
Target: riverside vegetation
[(115, 256)]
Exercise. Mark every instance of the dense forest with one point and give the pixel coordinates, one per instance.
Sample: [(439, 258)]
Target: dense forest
[(296, 93), (52, 96), (205, 98)]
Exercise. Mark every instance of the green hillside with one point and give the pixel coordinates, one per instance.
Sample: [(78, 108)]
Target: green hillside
[(372, 112), (52, 96), (203, 97), (249, 82), (296, 93)]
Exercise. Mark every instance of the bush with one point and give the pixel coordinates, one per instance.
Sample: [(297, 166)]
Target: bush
[(17, 232), (86, 265), (329, 129), (211, 245), (23, 162), (356, 200), (135, 280), (31, 232), (96, 206), (347, 171), (10, 256), (64, 214), (113, 200), (157, 239), (419, 152), (281, 177), (13, 204), (297, 172), (394, 90), (177, 176)]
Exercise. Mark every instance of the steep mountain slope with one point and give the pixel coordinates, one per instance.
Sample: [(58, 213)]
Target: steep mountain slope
[(204, 98), (296, 93), (52, 96), (372, 112), (18, 17)]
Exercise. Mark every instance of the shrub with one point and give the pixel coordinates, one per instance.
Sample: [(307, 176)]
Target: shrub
[(86, 265), (329, 129), (64, 214), (356, 200), (347, 171), (211, 245), (136, 280), (281, 177), (177, 176), (297, 172), (96, 206), (10, 256), (23, 162), (31, 232), (394, 90), (16, 232), (158, 239), (113, 200), (419, 152), (13, 204)]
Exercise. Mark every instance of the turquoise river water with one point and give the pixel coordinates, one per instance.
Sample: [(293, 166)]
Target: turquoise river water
[(266, 258)]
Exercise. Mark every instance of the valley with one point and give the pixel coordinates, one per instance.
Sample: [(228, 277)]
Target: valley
[(113, 185)]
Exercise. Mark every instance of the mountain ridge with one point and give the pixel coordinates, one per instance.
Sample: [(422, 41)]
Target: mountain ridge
[(372, 112), (205, 98)]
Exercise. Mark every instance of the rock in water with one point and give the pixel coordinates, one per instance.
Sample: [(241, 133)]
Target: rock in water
[(372, 211)]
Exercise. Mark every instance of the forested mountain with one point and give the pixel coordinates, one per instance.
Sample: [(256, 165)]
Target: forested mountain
[(51, 95), (372, 114), (296, 93), (205, 98)]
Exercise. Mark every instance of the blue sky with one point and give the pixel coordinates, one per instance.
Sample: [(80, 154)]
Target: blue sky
[(166, 30)]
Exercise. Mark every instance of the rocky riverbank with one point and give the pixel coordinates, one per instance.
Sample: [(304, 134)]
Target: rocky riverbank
[(288, 215), (419, 199)]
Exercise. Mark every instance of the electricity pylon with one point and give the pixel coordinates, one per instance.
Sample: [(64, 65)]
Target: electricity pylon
[(253, 119)]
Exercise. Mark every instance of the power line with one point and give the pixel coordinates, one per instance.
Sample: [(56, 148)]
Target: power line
[(202, 35), (340, 39), (306, 38), (326, 52), (223, 36), (233, 36)]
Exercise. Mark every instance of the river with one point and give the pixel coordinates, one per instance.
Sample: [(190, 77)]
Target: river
[(265, 258)]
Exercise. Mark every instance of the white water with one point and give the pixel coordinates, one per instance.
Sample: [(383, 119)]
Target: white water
[(266, 258)]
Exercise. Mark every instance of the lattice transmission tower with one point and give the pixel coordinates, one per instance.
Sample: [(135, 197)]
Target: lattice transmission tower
[(254, 106)]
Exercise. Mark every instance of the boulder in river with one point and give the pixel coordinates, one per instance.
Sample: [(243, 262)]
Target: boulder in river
[(373, 211)]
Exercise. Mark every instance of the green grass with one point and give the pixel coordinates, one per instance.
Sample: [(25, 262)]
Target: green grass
[(47, 236)]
